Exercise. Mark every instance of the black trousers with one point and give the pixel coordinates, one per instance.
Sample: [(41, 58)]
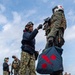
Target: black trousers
[(57, 73)]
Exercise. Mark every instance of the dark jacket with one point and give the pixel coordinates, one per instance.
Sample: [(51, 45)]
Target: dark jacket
[(5, 67), (28, 41)]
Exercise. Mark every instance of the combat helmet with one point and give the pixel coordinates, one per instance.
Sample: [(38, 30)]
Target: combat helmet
[(58, 8)]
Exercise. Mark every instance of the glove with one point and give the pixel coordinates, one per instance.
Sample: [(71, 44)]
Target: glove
[(36, 55), (39, 27), (47, 19)]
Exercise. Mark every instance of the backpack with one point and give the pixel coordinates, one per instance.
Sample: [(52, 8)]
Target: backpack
[(50, 61)]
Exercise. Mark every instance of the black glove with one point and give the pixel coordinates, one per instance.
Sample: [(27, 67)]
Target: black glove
[(39, 27), (36, 55)]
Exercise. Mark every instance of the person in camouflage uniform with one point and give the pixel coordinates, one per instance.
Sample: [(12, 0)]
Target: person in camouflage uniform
[(54, 30), (28, 49), (15, 65)]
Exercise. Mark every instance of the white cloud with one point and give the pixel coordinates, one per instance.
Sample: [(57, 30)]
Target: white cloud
[(2, 8), (16, 17), (9, 32), (30, 12), (71, 16), (70, 33), (3, 19), (40, 37), (6, 27), (70, 30)]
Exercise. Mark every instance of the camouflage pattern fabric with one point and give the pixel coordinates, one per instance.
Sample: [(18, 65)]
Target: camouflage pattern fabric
[(27, 61), (57, 20), (16, 72), (5, 73)]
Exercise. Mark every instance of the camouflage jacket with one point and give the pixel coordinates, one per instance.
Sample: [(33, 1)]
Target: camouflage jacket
[(57, 21)]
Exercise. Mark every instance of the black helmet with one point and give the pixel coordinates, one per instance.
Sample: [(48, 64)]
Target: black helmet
[(13, 56), (29, 23), (47, 19)]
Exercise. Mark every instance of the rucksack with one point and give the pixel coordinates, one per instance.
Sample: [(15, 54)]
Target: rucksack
[(50, 60)]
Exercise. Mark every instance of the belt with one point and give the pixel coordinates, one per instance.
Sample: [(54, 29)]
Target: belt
[(29, 46)]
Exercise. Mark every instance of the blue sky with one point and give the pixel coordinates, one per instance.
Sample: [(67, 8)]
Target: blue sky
[(14, 14)]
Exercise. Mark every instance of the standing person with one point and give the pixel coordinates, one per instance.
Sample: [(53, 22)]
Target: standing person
[(54, 29), (28, 49), (15, 65), (6, 67)]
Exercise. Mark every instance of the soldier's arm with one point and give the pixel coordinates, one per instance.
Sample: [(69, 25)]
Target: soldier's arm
[(57, 18)]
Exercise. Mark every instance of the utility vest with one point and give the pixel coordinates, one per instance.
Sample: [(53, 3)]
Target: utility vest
[(16, 64)]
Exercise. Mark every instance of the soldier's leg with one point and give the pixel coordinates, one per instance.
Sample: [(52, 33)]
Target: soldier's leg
[(32, 65), (15, 72), (18, 72), (5, 73), (25, 57)]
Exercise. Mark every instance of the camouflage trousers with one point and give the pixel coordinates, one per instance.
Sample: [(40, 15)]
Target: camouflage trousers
[(27, 61), (5, 73), (16, 72)]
